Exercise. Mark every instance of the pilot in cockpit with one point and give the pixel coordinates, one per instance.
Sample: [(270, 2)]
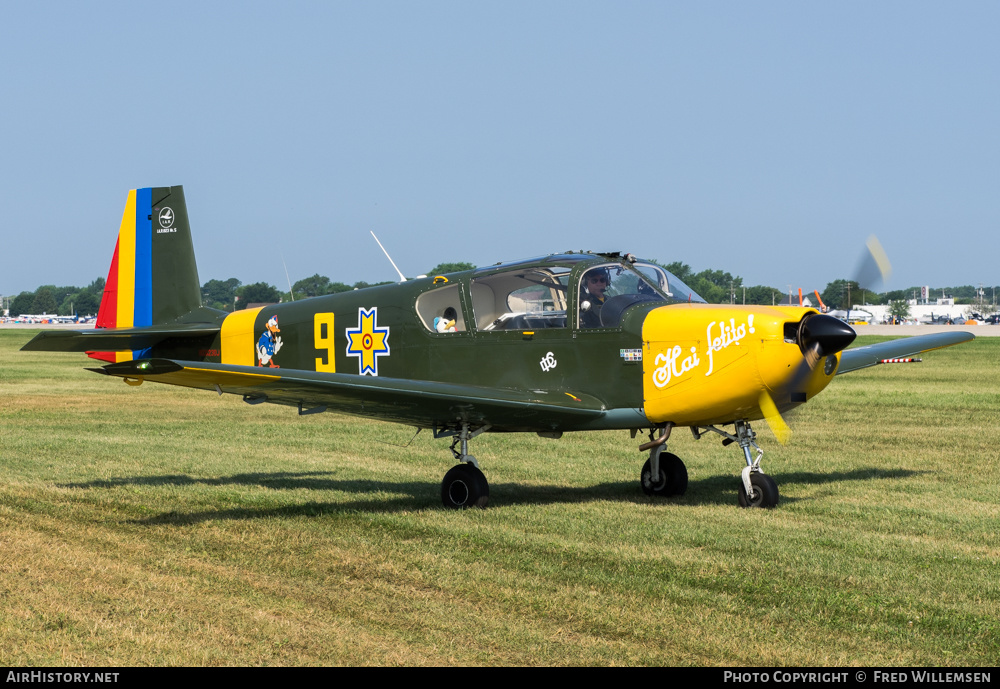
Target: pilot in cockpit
[(593, 289)]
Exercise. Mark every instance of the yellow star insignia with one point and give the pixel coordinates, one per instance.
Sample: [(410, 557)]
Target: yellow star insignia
[(368, 341)]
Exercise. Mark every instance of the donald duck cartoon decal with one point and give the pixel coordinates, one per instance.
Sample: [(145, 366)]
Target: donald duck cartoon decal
[(269, 343)]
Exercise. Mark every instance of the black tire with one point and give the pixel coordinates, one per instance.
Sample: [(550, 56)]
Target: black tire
[(464, 486), (673, 479), (765, 492)]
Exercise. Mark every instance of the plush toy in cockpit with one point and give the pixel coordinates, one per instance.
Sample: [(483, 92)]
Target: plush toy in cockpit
[(446, 323)]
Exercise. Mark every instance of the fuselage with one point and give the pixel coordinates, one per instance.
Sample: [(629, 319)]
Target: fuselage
[(660, 355)]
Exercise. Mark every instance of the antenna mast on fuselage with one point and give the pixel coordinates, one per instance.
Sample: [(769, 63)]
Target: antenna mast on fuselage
[(402, 278)]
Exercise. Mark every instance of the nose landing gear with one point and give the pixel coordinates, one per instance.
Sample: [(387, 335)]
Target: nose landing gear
[(757, 489)]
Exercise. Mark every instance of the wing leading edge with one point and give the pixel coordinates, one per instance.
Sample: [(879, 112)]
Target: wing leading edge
[(872, 355), (415, 402)]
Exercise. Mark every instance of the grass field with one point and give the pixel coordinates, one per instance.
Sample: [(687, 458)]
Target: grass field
[(160, 526)]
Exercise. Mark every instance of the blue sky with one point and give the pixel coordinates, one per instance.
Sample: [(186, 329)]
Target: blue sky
[(767, 139)]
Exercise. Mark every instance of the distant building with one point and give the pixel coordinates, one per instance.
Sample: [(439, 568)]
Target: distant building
[(793, 300)]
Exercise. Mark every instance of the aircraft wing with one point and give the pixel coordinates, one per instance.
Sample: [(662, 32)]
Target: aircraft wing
[(415, 402), (871, 355)]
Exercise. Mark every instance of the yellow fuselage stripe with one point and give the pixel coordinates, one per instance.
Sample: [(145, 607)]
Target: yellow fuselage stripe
[(237, 339), (265, 378)]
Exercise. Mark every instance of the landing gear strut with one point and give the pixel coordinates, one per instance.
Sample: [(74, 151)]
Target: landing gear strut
[(663, 474), (757, 489), (464, 485)]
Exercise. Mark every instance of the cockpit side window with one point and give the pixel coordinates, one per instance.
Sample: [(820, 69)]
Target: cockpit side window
[(525, 299), (605, 291), (440, 310)]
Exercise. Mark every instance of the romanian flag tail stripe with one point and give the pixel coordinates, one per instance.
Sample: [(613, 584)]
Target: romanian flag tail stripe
[(108, 314), (153, 277), (142, 313)]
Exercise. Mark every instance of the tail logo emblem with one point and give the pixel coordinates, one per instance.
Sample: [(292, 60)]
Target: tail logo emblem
[(166, 217)]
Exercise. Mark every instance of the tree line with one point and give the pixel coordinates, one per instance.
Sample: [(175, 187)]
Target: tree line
[(59, 301), (715, 286), (225, 295), (719, 287)]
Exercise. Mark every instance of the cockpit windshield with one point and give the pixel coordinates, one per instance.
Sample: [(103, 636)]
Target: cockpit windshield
[(666, 283)]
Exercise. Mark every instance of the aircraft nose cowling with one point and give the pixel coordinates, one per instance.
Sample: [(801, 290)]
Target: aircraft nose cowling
[(831, 334)]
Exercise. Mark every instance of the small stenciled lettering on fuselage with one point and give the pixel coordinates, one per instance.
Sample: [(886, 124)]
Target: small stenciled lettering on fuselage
[(676, 361), (630, 354), (548, 362)]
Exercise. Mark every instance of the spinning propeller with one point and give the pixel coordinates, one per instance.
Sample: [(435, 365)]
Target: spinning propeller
[(819, 336)]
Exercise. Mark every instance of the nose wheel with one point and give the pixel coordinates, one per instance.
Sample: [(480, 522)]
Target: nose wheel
[(763, 492), (756, 489)]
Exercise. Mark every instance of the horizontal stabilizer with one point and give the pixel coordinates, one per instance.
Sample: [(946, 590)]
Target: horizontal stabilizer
[(871, 355), (115, 339)]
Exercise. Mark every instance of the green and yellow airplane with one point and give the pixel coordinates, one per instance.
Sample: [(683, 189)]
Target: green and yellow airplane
[(569, 342)]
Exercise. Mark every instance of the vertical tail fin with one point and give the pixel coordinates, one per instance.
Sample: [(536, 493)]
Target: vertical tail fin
[(153, 277)]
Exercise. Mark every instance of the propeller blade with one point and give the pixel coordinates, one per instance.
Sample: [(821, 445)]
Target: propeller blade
[(874, 267), (796, 383), (774, 420), (819, 336)]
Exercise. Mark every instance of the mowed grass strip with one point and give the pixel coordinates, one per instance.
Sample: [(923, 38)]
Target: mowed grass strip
[(162, 526)]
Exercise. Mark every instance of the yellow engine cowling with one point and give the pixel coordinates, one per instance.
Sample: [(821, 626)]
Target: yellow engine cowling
[(707, 364)]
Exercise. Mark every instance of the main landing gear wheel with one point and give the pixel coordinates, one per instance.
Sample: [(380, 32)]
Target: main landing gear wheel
[(673, 478), (765, 492), (465, 486)]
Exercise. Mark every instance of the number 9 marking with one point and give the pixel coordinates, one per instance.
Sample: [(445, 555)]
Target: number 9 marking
[(323, 339)]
